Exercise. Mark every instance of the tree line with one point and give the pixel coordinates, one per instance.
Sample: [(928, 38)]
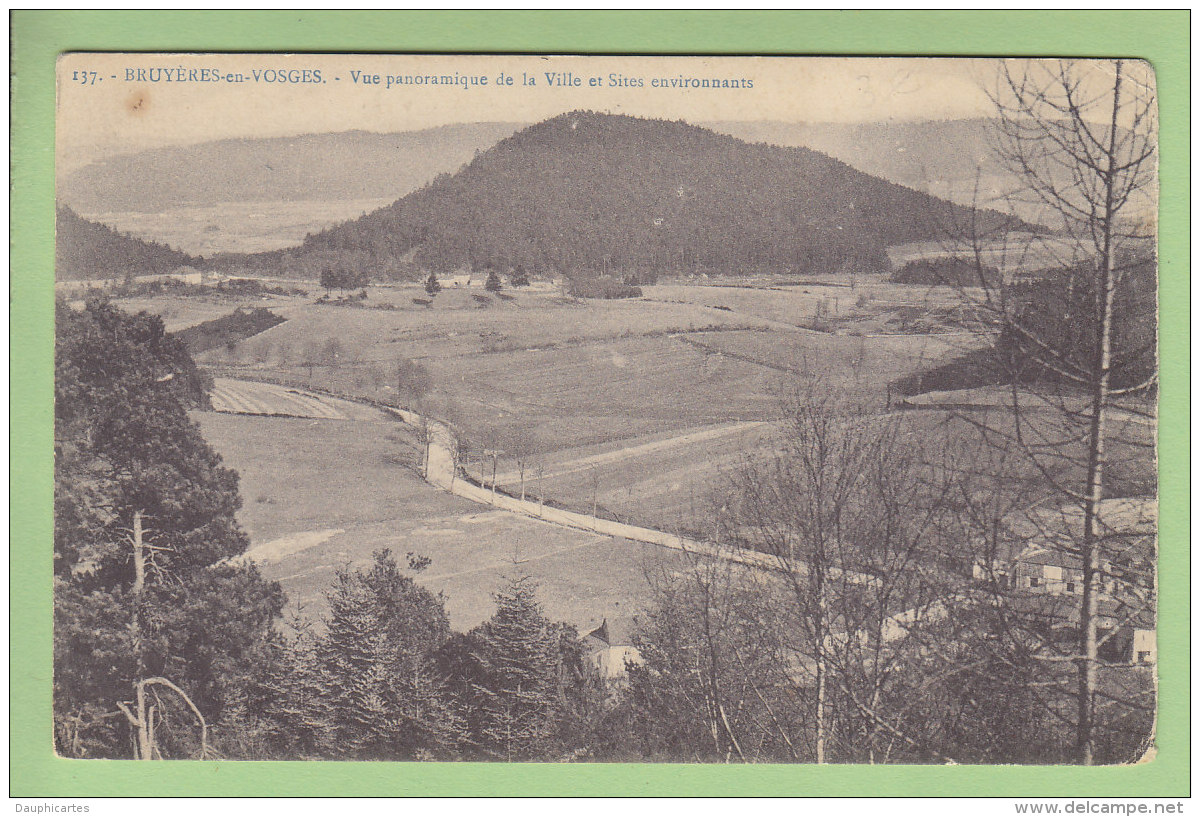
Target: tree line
[(85, 250)]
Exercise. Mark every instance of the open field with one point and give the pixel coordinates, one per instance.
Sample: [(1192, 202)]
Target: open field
[(573, 373), (664, 481), (636, 406), (859, 305), (459, 324), (601, 392), (1020, 252), (323, 494), (580, 395), (862, 365), (181, 312), (242, 397), (623, 406), (787, 306)]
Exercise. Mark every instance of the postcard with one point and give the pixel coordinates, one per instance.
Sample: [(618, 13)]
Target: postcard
[(606, 409)]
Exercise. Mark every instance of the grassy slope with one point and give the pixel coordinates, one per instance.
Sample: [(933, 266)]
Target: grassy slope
[(321, 475), (574, 379), (571, 376), (608, 378)]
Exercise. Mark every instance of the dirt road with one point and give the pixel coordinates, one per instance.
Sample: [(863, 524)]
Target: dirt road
[(264, 398), (574, 466), (441, 471)]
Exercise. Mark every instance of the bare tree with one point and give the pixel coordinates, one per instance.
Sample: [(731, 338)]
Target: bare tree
[(146, 717), (712, 683), (1099, 120), (1073, 305), (851, 508), (810, 655), (413, 381)]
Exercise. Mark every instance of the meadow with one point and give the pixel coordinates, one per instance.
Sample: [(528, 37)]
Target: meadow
[(323, 494), (638, 408), (179, 312)]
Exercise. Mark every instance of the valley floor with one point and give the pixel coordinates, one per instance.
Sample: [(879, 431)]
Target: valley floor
[(324, 494)]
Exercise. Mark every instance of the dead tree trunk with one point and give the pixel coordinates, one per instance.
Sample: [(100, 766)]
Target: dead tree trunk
[(820, 669), (146, 747), (139, 556)]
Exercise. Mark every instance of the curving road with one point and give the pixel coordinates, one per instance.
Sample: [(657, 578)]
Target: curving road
[(440, 470)]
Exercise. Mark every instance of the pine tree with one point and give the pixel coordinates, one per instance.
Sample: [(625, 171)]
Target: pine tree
[(144, 531), (517, 701), (386, 701), (295, 710), (432, 285), (492, 284)]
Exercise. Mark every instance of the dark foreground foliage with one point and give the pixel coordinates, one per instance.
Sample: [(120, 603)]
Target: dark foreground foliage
[(387, 679), (130, 465)]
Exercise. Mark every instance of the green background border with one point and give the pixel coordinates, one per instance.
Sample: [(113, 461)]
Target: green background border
[(38, 37)]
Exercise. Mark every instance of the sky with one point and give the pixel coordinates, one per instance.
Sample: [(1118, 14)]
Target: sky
[(116, 109)]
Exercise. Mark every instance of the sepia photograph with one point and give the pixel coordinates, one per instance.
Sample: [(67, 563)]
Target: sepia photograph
[(605, 409)]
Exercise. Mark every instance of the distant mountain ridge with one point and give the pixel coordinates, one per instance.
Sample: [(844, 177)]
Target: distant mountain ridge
[(345, 165), (953, 159), (939, 157), (589, 192)]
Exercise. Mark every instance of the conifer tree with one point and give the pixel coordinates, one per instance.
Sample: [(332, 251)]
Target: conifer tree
[(517, 693), (519, 278), (296, 710), (386, 700), (145, 584)]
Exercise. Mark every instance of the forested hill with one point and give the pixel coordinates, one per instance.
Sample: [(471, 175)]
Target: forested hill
[(587, 192), (85, 250)]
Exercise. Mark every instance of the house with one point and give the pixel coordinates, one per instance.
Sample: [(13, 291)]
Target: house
[(1042, 553), (609, 648), (1042, 574), (1125, 632)]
